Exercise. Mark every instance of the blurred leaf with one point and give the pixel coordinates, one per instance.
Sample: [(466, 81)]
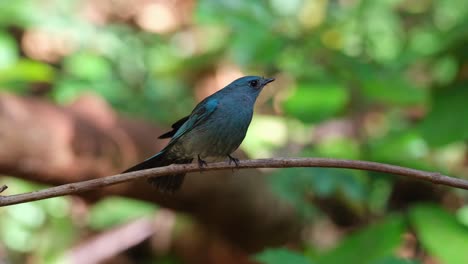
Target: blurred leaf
[(116, 210), (406, 148), (261, 47), (44, 227), (31, 215), (67, 90), (425, 41), (87, 66), (391, 89), (315, 102), (380, 189), (16, 236), (384, 31), (58, 236), (446, 122), (27, 71), (237, 14), (440, 233), (395, 260), (448, 13), (259, 144), (444, 70), (377, 241), (462, 215), (343, 148), (19, 12), (281, 256), (295, 184), (244, 18), (8, 50)]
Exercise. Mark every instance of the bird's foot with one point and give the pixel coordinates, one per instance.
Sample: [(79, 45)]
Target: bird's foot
[(232, 159), (201, 163)]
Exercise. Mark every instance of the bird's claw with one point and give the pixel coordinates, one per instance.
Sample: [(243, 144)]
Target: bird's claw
[(201, 163), (232, 159)]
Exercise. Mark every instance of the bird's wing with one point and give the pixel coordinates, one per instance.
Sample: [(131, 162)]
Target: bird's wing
[(200, 113), (175, 127)]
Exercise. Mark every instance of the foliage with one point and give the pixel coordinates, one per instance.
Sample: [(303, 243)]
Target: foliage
[(435, 233), (278, 256), (382, 80)]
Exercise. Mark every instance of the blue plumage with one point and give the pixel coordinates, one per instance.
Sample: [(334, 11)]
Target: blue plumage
[(215, 128)]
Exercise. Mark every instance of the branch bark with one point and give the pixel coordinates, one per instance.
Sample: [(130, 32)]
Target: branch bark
[(83, 186)]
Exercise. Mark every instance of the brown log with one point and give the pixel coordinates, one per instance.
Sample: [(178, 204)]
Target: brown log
[(52, 144)]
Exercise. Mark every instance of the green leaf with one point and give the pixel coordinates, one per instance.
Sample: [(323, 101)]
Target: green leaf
[(391, 89), (377, 241), (344, 148), (87, 66), (445, 70), (384, 32), (19, 12), (261, 47), (395, 260), (447, 120), (259, 144), (313, 102), (462, 215), (440, 233), (8, 50), (27, 71), (294, 184), (115, 210), (281, 256), (406, 147)]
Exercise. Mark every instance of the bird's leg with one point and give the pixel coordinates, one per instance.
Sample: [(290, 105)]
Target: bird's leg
[(232, 159), (201, 163)]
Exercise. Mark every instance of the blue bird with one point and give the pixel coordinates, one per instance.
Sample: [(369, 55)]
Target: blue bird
[(215, 128)]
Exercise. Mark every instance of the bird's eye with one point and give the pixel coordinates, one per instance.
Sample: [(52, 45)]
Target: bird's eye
[(253, 83)]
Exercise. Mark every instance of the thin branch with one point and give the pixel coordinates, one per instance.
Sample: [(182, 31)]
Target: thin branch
[(3, 188), (83, 186)]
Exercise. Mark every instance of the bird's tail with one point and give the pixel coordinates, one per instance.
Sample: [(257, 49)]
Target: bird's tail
[(167, 183)]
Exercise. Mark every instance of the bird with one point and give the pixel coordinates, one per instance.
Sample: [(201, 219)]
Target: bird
[(215, 128)]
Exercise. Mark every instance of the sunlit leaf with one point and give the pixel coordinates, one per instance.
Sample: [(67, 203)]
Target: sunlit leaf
[(114, 210), (8, 50), (440, 233), (27, 71), (462, 215), (87, 66), (259, 144), (384, 31), (343, 148)]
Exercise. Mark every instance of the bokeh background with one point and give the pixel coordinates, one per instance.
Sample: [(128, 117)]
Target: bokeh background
[(87, 86)]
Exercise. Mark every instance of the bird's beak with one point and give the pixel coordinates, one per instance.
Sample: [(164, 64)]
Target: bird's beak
[(267, 80)]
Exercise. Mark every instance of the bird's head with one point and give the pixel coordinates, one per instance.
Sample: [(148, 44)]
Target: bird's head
[(250, 84)]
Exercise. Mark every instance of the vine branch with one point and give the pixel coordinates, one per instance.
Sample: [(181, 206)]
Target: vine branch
[(78, 187)]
